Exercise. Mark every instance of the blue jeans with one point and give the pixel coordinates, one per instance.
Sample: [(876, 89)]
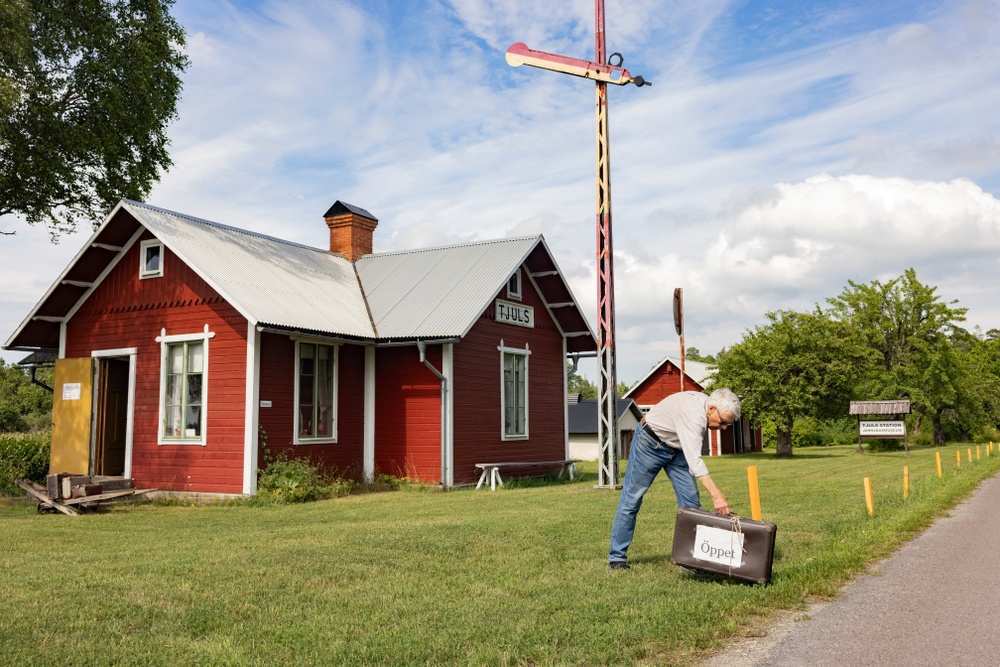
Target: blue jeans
[(646, 458)]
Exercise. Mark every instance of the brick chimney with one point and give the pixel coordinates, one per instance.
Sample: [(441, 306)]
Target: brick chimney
[(351, 229)]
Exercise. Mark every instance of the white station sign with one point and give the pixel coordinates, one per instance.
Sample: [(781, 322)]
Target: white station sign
[(515, 313), (882, 429)]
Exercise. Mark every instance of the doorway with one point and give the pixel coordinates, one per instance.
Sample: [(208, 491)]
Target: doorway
[(111, 417)]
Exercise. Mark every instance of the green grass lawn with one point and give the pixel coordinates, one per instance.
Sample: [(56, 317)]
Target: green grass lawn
[(513, 577)]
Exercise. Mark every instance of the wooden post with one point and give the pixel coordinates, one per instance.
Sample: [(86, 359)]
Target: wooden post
[(755, 513), (868, 496), (937, 455), (906, 482)]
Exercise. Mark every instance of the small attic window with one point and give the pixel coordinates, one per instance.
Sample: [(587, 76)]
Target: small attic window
[(151, 259), (514, 285)]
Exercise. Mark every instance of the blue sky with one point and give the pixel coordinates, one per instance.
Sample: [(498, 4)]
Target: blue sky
[(784, 148)]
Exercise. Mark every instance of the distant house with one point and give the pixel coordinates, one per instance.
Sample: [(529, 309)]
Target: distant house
[(183, 344), (665, 379), (583, 415)]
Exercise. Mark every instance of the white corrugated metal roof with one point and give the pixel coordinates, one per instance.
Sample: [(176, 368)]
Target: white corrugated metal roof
[(268, 280), (438, 291), (432, 293)]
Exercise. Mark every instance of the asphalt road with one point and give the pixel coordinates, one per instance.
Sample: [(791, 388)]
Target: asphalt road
[(935, 602)]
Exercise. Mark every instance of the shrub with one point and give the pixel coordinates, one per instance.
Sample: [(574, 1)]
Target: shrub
[(769, 435), (885, 444), (23, 456), (291, 481), (986, 434), (806, 433)]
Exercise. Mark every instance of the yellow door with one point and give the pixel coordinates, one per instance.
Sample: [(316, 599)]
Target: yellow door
[(72, 409)]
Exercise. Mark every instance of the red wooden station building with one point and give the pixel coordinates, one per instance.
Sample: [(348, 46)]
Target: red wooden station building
[(183, 343)]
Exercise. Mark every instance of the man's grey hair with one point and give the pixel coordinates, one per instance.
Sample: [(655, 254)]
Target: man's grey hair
[(726, 402)]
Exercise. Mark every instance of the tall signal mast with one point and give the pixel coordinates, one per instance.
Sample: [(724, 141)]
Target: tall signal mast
[(603, 70)]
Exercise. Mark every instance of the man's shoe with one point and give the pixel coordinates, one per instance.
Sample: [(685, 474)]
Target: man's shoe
[(619, 565)]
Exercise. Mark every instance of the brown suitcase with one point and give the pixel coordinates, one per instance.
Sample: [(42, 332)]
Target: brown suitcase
[(728, 545)]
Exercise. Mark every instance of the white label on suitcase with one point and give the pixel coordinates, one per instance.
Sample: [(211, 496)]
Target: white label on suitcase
[(718, 545)]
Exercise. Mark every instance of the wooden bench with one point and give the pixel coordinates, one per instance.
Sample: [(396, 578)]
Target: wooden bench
[(493, 469)]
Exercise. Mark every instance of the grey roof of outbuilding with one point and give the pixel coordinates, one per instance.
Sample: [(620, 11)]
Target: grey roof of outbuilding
[(583, 415), (434, 293)]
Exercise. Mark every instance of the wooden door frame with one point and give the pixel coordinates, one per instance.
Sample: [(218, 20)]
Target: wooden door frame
[(129, 353)]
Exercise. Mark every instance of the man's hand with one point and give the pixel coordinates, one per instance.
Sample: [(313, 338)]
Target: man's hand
[(718, 499)]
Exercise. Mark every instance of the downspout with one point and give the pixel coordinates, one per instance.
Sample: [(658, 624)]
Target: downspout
[(422, 348), (38, 382)]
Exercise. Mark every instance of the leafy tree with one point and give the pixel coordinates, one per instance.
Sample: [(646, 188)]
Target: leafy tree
[(87, 88), (579, 384), (911, 329), (694, 354), (976, 414), (797, 365), (22, 404)]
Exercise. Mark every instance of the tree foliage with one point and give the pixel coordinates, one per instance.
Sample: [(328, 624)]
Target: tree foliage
[(888, 340), (23, 405), (797, 365), (87, 89), (914, 334)]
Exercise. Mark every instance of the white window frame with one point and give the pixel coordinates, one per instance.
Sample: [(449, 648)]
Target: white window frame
[(525, 354), (514, 285), (297, 438), (143, 249), (166, 342)]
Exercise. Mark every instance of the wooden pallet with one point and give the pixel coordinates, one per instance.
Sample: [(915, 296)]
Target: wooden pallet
[(66, 505)]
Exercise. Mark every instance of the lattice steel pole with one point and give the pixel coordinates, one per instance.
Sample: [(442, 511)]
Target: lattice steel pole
[(607, 420), (603, 73)]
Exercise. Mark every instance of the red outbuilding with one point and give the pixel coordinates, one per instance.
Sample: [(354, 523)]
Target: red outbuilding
[(184, 344), (665, 379)]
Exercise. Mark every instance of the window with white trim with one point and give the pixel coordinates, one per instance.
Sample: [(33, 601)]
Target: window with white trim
[(315, 392), (514, 392), (183, 387), (150, 259), (514, 285)]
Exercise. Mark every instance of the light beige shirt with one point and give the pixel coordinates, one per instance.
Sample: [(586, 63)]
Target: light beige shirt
[(681, 421)]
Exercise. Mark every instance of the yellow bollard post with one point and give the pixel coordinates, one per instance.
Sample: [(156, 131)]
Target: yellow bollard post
[(755, 513), (937, 455), (906, 482), (970, 454), (958, 458), (977, 452), (868, 496)]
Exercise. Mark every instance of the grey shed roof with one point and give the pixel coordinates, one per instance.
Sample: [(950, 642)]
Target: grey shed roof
[(583, 415), (901, 407)]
